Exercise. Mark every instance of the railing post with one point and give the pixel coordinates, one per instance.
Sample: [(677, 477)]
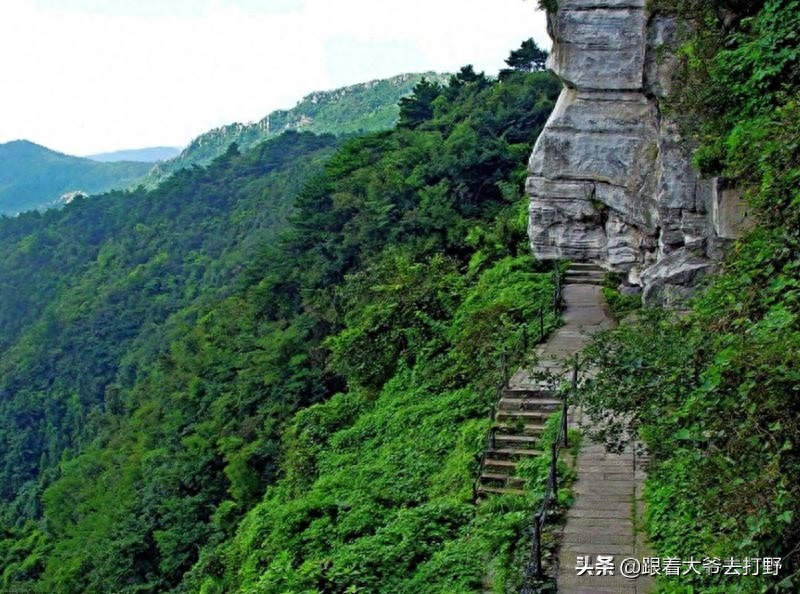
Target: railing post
[(504, 367), (493, 432), (575, 375), (524, 338), (541, 323), (533, 569), (537, 545), (553, 466), (564, 420), (557, 290)]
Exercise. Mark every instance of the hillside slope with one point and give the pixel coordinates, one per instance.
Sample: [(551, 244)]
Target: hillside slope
[(84, 285), (144, 155), (168, 417), (32, 176)]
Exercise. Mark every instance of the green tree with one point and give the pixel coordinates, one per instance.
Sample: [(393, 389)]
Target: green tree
[(418, 107), (528, 58)]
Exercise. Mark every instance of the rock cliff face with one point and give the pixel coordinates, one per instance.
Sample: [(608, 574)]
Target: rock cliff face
[(610, 180)]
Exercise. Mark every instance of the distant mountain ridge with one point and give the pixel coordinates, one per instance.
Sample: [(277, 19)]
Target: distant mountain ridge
[(33, 176), (141, 155), (364, 107)]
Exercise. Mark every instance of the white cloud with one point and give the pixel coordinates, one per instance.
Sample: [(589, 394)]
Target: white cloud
[(81, 77)]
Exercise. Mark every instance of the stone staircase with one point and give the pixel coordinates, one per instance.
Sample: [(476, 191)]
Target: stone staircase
[(584, 273), (600, 521), (530, 397), (518, 423)]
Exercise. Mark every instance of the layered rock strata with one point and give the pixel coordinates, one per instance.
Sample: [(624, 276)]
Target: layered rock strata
[(610, 180)]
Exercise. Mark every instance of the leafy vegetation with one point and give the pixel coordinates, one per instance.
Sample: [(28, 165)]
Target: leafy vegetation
[(714, 394), (619, 303), (92, 292), (528, 58), (548, 5), (267, 375)]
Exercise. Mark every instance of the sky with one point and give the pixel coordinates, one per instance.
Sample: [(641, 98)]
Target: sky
[(88, 76)]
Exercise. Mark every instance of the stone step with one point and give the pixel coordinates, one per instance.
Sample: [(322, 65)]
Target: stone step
[(540, 404), (503, 452), (540, 390), (503, 472), (500, 491), (508, 479), (575, 279), (586, 266), (517, 441), (520, 429), (530, 394), (550, 364), (584, 280), (508, 465), (583, 272), (506, 438), (526, 415)]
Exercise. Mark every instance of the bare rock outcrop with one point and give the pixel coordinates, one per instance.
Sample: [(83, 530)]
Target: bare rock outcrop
[(611, 181)]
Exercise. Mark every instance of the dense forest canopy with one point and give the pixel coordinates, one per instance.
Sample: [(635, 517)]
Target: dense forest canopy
[(360, 108), (208, 387), (272, 374)]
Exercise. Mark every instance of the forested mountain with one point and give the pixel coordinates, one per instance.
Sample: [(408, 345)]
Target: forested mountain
[(365, 107), (209, 386), (84, 288), (32, 176), (272, 374)]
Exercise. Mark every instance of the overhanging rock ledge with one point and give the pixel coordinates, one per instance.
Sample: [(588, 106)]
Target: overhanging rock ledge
[(610, 180)]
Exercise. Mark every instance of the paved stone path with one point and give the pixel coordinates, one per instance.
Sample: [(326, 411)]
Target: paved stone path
[(530, 396), (584, 315), (608, 488), (608, 496)]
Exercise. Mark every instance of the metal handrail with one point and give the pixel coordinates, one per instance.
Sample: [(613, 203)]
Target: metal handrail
[(558, 293), (533, 570), (518, 348)]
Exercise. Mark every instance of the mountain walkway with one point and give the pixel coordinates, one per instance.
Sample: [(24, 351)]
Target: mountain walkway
[(608, 490)]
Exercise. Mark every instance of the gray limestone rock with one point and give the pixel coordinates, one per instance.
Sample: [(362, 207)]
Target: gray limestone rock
[(729, 211), (671, 279), (610, 179), (601, 48), (629, 290), (660, 58)]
